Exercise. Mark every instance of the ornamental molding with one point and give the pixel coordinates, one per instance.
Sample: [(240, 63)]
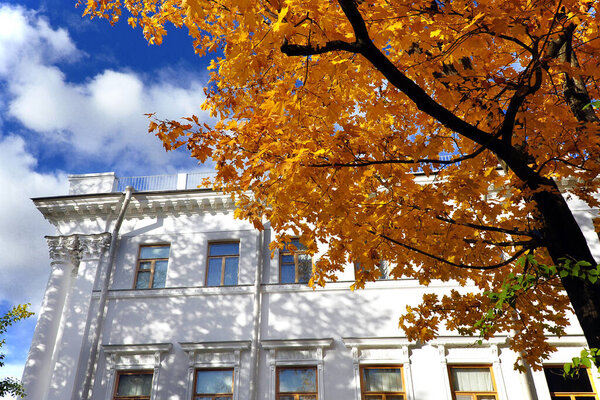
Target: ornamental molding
[(64, 248), (72, 249), (92, 246), (100, 206)]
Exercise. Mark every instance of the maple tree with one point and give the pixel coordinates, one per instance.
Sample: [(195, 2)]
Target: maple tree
[(378, 128)]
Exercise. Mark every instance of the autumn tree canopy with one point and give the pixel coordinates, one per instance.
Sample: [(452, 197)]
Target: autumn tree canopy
[(328, 109)]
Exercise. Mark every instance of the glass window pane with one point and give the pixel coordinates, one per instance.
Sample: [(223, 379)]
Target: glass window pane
[(224, 249), (304, 267), (143, 280), (464, 397), (288, 274), (486, 397), (160, 274), (297, 380), (134, 385), (288, 397), (231, 271), (155, 251), (146, 265), (214, 272), (299, 246), (374, 397), (394, 397), (557, 383), (211, 382), (472, 380), (307, 397), (287, 259), (382, 379), (585, 397)]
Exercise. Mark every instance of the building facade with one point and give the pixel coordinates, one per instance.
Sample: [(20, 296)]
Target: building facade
[(163, 295)]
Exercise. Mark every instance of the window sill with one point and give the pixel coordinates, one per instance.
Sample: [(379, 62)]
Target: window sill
[(178, 291)]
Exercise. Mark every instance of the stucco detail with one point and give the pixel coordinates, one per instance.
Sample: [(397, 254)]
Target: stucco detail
[(73, 248)]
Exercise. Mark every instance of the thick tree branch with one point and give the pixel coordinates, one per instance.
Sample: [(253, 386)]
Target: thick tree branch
[(310, 50), (422, 100), (513, 258), (366, 163), (485, 227)]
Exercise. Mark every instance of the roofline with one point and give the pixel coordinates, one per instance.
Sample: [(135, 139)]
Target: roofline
[(117, 194)]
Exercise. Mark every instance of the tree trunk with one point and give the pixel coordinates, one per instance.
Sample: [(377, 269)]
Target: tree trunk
[(564, 239)]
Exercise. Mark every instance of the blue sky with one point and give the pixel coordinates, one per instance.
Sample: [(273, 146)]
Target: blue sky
[(72, 97)]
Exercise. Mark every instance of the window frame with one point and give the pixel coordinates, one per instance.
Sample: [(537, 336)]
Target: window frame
[(571, 395), (214, 396), (152, 265), (119, 373), (471, 393), (384, 268), (384, 395), (223, 259), (283, 252), (296, 395)]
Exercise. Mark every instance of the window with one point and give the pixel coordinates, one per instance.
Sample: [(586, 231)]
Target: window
[(213, 384), (297, 383), (152, 266), (383, 267), (382, 383), (578, 388), (222, 267), (472, 383), (296, 267), (134, 385)]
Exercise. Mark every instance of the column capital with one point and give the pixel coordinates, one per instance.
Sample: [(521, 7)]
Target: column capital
[(92, 246), (64, 249), (73, 248)]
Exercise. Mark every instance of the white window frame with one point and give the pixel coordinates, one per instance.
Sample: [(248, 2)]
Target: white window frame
[(132, 357), (296, 353), (486, 354), (212, 355), (381, 351)]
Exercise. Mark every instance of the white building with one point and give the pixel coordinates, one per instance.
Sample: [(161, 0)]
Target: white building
[(182, 301)]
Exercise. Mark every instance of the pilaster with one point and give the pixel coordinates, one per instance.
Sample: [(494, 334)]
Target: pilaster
[(63, 260), (63, 314)]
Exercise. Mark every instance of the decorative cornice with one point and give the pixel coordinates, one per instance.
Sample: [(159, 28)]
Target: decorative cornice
[(297, 343), (81, 207), (136, 348), (215, 346)]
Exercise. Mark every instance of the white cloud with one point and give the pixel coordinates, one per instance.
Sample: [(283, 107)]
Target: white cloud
[(24, 262), (100, 119)]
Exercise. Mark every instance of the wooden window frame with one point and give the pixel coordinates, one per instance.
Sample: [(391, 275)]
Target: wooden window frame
[(152, 264), (131, 372), (214, 396), (383, 395), (209, 257), (465, 393), (296, 394), (283, 252), (572, 395)]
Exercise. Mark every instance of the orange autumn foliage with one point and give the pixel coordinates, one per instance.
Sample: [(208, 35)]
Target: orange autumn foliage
[(327, 109)]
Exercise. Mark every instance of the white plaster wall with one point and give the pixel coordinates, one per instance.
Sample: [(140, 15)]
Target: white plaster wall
[(186, 311)]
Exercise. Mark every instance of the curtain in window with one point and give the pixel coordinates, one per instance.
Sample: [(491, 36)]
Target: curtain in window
[(135, 385), (472, 380), (382, 379)]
